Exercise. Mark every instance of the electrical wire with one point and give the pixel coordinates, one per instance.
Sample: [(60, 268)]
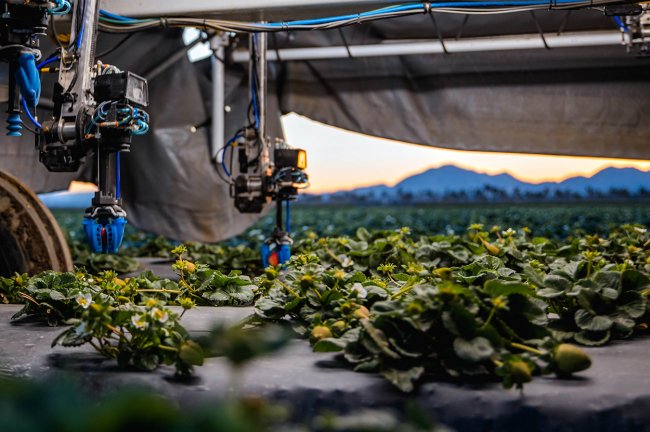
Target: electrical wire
[(287, 217), (29, 114), (50, 60), (224, 149), (118, 174), (621, 24), (111, 22), (114, 48), (21, 48), (63, 7)]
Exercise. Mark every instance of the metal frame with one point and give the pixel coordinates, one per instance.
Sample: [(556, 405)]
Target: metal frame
[(249, 9), (465, 45), (218, 45)]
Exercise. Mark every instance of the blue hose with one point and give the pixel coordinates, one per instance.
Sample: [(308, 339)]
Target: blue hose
[(117, 17), (44, 63), (620, 24), (80, 36), (29, 114), (224, 149), (407, 7)]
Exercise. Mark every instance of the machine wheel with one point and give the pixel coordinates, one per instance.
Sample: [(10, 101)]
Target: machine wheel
[(30, 238)]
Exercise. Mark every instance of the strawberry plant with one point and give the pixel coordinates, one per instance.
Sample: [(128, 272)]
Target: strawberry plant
[(211, 287), (491, 302), (141, 336), (413, 323), (57, 296)]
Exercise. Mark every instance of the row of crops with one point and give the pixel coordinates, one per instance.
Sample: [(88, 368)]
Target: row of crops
[(497, 303), (486, 302)]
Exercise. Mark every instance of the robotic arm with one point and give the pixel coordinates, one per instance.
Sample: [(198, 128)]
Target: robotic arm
[(267, 172), (97, 107)]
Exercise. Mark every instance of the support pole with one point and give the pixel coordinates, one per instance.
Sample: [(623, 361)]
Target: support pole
[(261, 51), (218, 45)]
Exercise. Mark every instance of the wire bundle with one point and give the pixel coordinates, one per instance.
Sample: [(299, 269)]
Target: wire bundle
[(62, 7), (114, 23), (137, 119)]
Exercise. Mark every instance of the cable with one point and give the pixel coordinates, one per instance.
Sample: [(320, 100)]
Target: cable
[(225, 149), (47, 62), (287, 217), (117, 17), (37, 54), (29, 114), (118, 173), (254, 84), (119, 24), (621, 24), (63, 7), (117, 45), (80, 34)]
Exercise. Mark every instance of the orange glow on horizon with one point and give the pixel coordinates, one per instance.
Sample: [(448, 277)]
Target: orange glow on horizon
[(344, 160), (77, 186)]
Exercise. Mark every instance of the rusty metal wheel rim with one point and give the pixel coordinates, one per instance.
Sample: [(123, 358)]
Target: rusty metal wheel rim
[(35, 231)]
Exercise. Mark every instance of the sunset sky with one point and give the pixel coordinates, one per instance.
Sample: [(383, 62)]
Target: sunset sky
[(340, 159)]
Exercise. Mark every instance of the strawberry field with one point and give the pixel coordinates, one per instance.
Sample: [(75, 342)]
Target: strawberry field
[(419, 295)]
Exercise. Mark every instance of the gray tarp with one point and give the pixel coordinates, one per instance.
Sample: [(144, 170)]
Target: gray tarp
[(582, 101)]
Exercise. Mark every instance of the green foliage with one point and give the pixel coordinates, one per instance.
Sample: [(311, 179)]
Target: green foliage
[(66, 407), (140, 336), (494, 303), (56, 297), (211, 287), (555, 221), (10, 289), (240, 345), (96, 263), (490, 302)]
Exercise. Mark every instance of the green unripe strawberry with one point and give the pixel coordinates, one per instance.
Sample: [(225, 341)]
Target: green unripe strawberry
[(362, 312), (321, 332), (520, 372), (570, 359)]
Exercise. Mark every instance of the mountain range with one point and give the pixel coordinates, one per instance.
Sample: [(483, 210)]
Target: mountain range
[(452, 182)]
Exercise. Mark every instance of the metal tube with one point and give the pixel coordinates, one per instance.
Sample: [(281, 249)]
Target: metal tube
[(262, 66), (262, 45), (498, 43), (84, 54), (218, 44), (143, 8)]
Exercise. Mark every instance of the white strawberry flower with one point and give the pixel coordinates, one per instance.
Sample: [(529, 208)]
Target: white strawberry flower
[(139, 322), (159, 315), (360, 290), (84, 300)]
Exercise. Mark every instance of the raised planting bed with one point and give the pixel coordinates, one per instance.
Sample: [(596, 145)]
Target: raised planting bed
[(614, 394)]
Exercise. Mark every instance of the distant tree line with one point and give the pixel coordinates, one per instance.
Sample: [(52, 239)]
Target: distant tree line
[(486, 194)]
